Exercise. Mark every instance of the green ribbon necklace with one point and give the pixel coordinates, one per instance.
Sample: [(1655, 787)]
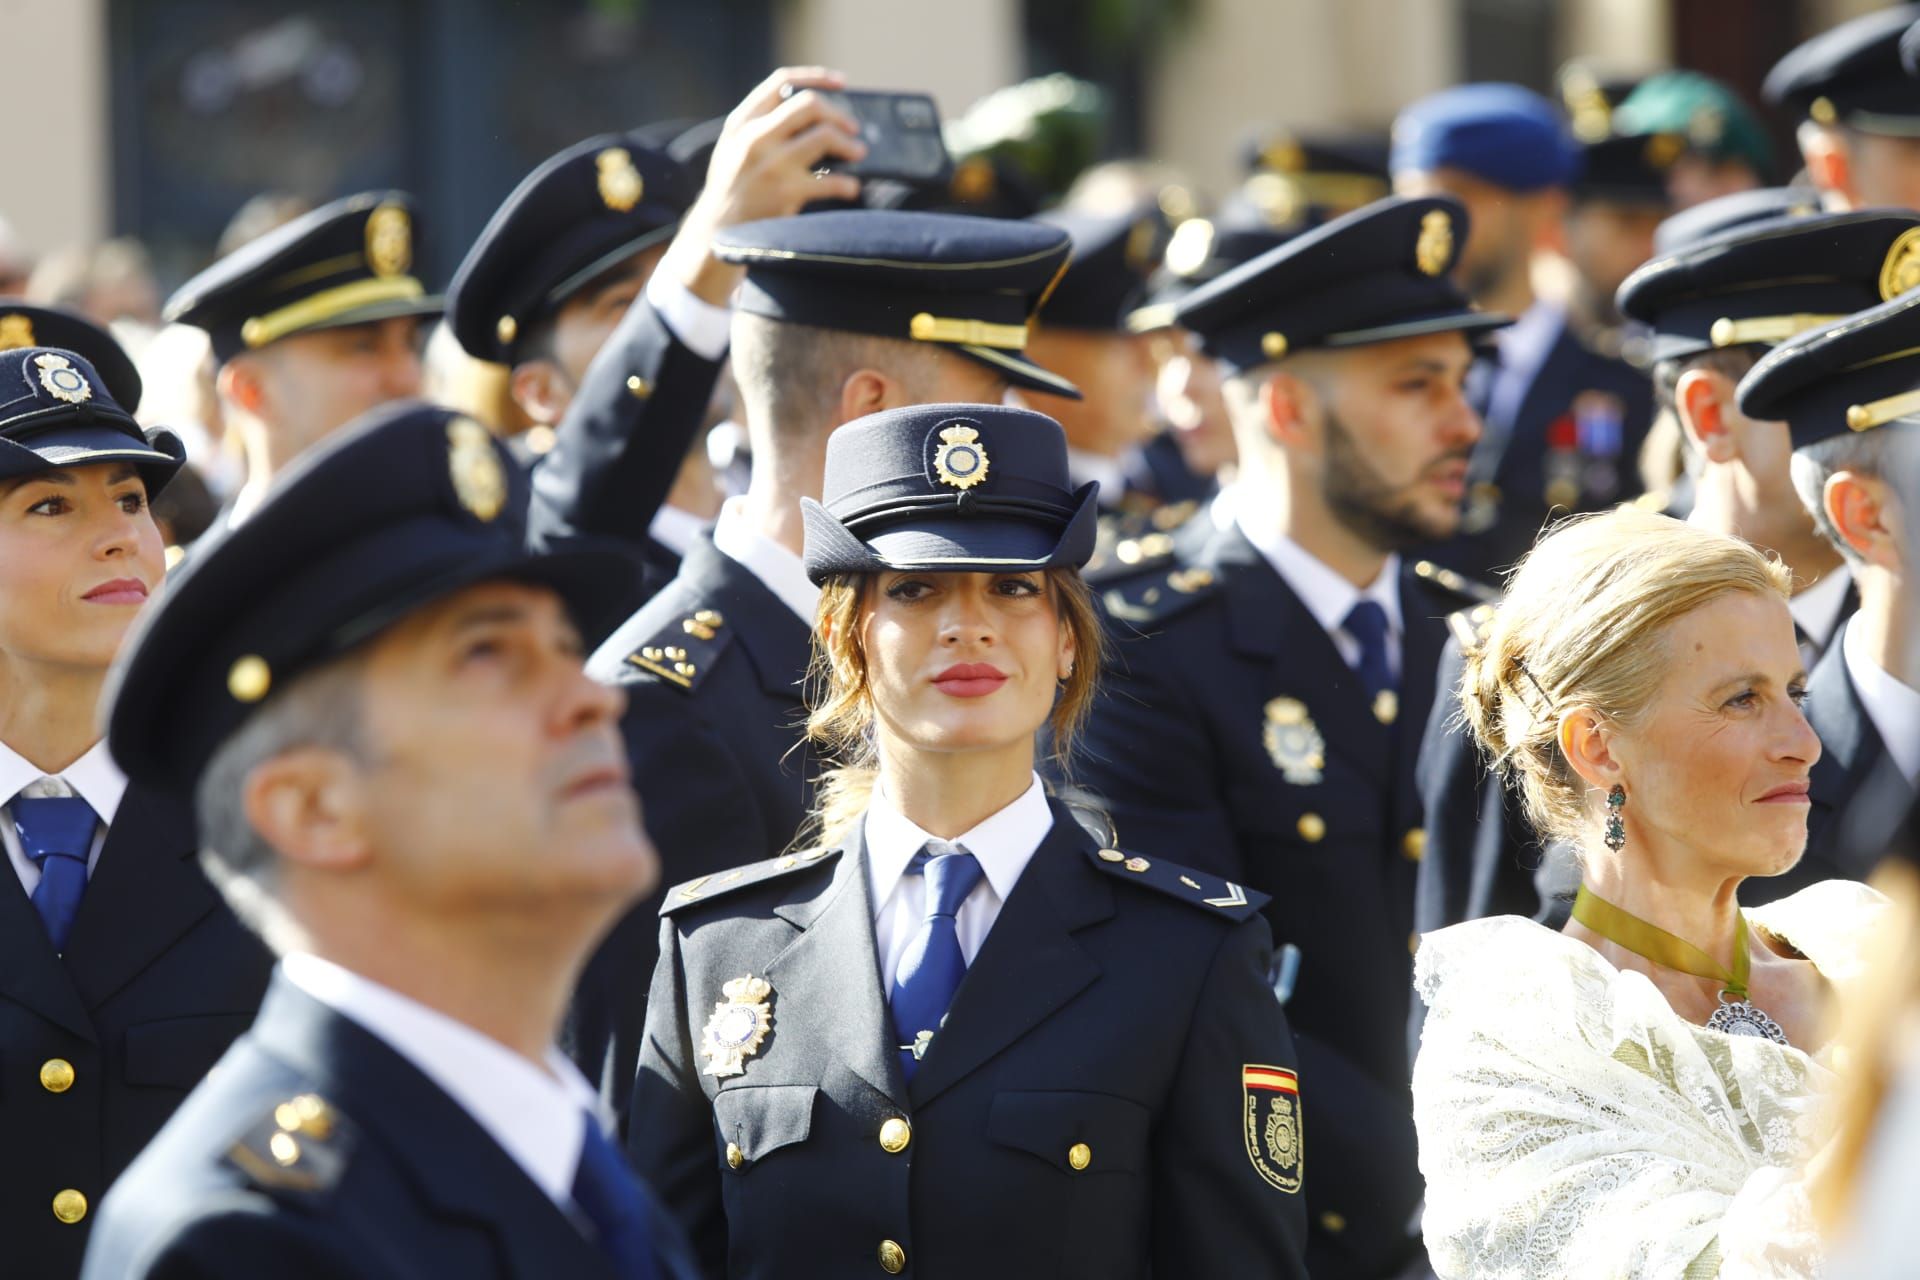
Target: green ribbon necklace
[(1736, 1016)]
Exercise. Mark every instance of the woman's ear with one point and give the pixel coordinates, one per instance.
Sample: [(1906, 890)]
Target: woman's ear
[(308, 803), (1587, 742), (1068, 649)]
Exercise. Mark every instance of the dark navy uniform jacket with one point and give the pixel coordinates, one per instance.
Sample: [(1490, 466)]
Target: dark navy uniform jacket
[(315, 1150), (719, 760), (1214, 659), (99, 1046), (1109, 1013)]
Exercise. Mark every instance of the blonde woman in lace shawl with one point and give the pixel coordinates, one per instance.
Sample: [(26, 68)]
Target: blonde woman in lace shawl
[(1626, 1097)]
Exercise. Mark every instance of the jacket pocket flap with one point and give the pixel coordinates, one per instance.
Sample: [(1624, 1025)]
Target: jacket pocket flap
[(1075, 1132), (176, 1052), (760, 1119)]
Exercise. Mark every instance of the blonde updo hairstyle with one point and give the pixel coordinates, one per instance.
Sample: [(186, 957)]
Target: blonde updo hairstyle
[(1583, 626), (841, 716)]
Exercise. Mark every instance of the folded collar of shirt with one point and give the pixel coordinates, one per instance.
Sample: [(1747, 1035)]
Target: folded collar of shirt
[(1328, 596), (1003, 844), (94, 777), (779, 570)]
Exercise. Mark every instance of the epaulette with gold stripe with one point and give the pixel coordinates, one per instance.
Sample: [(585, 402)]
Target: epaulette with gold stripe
[(1470, 627), (685, 650), (1124, 549), (703, 889), (1195, 888), (1156, 596), (1458, 585), (301, 1146)]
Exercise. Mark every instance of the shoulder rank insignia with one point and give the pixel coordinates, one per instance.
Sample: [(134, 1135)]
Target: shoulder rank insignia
[(1225, 897), (683, 652), (1470, 627), (1158, 596), (1270, 1103), (1465, 589), (1293, 741), (739, 1026), (300, 1146), (706, 888)]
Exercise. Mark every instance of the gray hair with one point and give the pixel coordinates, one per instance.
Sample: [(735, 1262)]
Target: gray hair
[(319, 708)]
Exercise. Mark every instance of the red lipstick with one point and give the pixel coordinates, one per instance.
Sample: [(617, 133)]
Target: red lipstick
[(970, 679), (118, 591)]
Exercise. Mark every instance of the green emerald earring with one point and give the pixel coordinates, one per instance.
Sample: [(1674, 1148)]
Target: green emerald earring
[(1616, 837)]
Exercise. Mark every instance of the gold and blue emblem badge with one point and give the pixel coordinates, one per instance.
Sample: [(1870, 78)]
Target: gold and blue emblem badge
[(961, 460), (1293, 742), (1270, 1110), (739, 1025), (61, 379)]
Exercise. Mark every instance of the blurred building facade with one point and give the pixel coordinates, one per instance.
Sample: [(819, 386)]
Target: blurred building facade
[(158, 118)]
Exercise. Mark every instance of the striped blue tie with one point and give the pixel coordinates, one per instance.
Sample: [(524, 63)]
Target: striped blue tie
[(931, 967), (56, 833)]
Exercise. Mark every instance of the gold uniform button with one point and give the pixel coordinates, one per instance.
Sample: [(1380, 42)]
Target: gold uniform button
[(1079, 1155), (1414, 844), (1312, 827), (69, 1206), (895, 1134), (639, 387), (735, 1156), (893, 1259), (56, 1075), (1333, 1223)]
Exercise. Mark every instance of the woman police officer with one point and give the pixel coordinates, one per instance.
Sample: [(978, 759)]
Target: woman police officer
[(959, 1035)]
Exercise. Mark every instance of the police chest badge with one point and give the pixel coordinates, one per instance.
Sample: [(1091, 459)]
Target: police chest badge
[(479, 481), (1293, 742), (739, 1025), (61, 379), (961, 460), (1270, 1106)]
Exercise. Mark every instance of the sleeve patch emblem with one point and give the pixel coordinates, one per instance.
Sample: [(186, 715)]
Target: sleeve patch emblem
[(1270, 1106)]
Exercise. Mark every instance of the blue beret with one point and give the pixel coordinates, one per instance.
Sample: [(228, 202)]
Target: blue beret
[(402, 507), (1855, 374), (1762, 282), (22, 325), (1852, 75), (1379, 273), (969, 284), (57, 411), (575, 217), (948, 488), (348, 262), (1499, 133)]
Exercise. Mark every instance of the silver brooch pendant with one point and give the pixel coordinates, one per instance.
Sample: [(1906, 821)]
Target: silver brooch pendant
[(1738, 1018)]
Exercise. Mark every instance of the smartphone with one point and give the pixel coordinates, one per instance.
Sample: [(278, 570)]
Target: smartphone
[(902, 133)]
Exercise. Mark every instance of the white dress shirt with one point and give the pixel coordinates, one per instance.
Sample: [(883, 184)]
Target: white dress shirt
[(1816, 611), (539, 1118), (1003, 845), (676, 530), (1892, 706), (1328, 596), (701, 327), (94, 777), (778, 569)]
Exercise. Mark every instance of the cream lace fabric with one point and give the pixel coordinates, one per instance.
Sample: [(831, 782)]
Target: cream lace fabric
[(1572, 1125)]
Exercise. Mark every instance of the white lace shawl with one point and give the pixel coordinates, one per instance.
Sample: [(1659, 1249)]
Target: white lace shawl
[(1572, 1125)]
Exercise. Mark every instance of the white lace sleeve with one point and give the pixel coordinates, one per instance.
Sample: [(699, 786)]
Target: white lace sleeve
[(1571, 1125)]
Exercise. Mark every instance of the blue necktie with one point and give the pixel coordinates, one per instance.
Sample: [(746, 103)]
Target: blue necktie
[(1367, 623), (614, 1201), (932, 965), (56, 832)]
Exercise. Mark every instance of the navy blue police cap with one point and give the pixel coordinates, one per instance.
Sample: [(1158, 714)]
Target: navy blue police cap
[(1628, 169), (1858, 373), (348, 262), (969, 284), (402, 507), (1203, 250), (1113, 255), (1763, 282), (57, 411), (1377, 274), (1851, 75), (1724, 213), (23, 325), (1500, 133), (963, 488), (575, 218), (1336, 171)]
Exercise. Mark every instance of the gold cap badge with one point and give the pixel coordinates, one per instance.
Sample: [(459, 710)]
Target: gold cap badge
[(479, 481), (389, 241), (1293, 742), (1435, 245), (16, 331), (961, 461), (61, 379), (620, 183), (1900, 271), (739, 1025)]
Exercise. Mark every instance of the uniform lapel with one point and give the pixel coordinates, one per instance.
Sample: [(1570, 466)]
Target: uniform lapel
[(835, 966), (1849, 744), (1029, 965), (31, 972), (1421, 640), (455, 1166), (145, 892)]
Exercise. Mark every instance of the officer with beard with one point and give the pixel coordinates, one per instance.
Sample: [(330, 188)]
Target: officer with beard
[(1273, 671)]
